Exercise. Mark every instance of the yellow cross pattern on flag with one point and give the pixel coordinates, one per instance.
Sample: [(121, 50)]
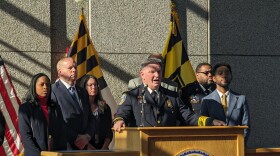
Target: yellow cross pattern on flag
[(177, 66), (83, 52)]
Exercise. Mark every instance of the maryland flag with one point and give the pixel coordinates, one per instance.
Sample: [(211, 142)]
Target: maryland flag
[(176, 61), (85, 55)]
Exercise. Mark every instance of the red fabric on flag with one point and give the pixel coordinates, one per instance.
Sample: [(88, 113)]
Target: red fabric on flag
[(9, 103)]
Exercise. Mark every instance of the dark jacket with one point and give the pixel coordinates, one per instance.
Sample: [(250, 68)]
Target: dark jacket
[(168, 112), (35, 130), (78, 121), (102, 127), (192, 94)]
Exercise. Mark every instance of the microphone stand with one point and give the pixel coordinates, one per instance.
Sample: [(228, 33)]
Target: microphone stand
[(142, 106)]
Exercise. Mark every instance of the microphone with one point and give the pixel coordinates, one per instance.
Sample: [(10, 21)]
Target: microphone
[(143, 91)]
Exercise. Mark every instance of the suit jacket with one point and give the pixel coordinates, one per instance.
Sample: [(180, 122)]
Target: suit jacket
[(167, 112), (192, 95), (78, 121), (35, 130), (237, 112)]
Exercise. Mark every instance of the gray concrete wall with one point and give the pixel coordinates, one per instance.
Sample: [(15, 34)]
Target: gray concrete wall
[(25, 40), (246, 35), (35, 34)]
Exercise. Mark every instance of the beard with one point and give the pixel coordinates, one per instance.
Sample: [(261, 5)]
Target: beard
[(223, 84)]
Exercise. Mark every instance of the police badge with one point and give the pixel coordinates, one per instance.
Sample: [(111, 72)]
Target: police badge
[(169, 104), (140, 99), (122, 99)]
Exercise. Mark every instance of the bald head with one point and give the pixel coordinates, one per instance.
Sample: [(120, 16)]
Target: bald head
[(67, 70)]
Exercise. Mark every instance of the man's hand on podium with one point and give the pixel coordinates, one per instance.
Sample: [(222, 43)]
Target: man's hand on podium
[(118, 124), (218, 123)]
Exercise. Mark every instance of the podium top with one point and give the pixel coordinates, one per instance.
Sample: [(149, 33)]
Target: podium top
[(186, 128)]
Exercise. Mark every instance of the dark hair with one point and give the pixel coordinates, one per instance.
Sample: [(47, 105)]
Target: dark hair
[(83, 83), (200, 65), (220, 65), (31, 95)]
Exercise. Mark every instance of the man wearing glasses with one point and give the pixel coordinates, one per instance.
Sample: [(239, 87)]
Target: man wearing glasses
[(192, 94)]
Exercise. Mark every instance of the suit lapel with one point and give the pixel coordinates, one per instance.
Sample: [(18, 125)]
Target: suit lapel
[(66, 92), (231, 104), (216, 96), (79, 97)]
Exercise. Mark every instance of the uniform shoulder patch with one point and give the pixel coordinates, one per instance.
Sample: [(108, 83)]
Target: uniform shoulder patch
[(123, 98)]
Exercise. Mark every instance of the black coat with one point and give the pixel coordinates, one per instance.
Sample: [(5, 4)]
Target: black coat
[(102, 128), (168, 112), (77, 121), (35, 131), (192, 95)]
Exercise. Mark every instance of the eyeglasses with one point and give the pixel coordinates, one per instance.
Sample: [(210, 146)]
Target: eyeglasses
[(206, 72), (90, 85)]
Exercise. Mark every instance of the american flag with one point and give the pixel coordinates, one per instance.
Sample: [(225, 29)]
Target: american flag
[(9, 104)]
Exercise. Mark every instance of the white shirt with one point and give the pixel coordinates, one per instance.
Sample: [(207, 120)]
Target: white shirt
[(221, 94)]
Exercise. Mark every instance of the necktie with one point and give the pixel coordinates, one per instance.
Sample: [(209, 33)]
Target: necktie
[(72, 92), (155, 97), (224, 102)]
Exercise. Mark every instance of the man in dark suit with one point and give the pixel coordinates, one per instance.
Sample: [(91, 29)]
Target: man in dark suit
[(150, 104), (2, 128), (74, 104), (224, 104), (193, 93)]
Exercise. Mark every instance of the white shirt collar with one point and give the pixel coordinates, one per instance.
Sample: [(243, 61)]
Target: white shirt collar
[(150, 90), (220, 94), (66, 84)]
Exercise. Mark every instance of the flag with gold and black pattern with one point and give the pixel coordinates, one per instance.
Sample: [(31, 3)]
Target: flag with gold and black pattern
[(177, 66), (83, 52)]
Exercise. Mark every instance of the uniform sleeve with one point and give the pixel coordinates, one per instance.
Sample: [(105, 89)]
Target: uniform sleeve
[(204, 119), (204, 109), (25, 128), (124, 111), (186, 114)]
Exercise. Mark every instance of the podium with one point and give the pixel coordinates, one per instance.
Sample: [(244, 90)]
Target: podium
[(177, 141)]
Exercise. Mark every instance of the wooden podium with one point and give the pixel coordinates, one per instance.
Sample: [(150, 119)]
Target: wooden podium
[(172, 141)]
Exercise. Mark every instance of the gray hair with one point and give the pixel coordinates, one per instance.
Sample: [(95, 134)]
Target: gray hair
[(151, 61)]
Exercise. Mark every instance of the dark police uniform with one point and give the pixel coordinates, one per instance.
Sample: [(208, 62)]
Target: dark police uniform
[(192, 94), (166, 112)]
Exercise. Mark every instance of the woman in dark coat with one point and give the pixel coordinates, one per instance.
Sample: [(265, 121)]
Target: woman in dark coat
[(102, 114), (40, 121)]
